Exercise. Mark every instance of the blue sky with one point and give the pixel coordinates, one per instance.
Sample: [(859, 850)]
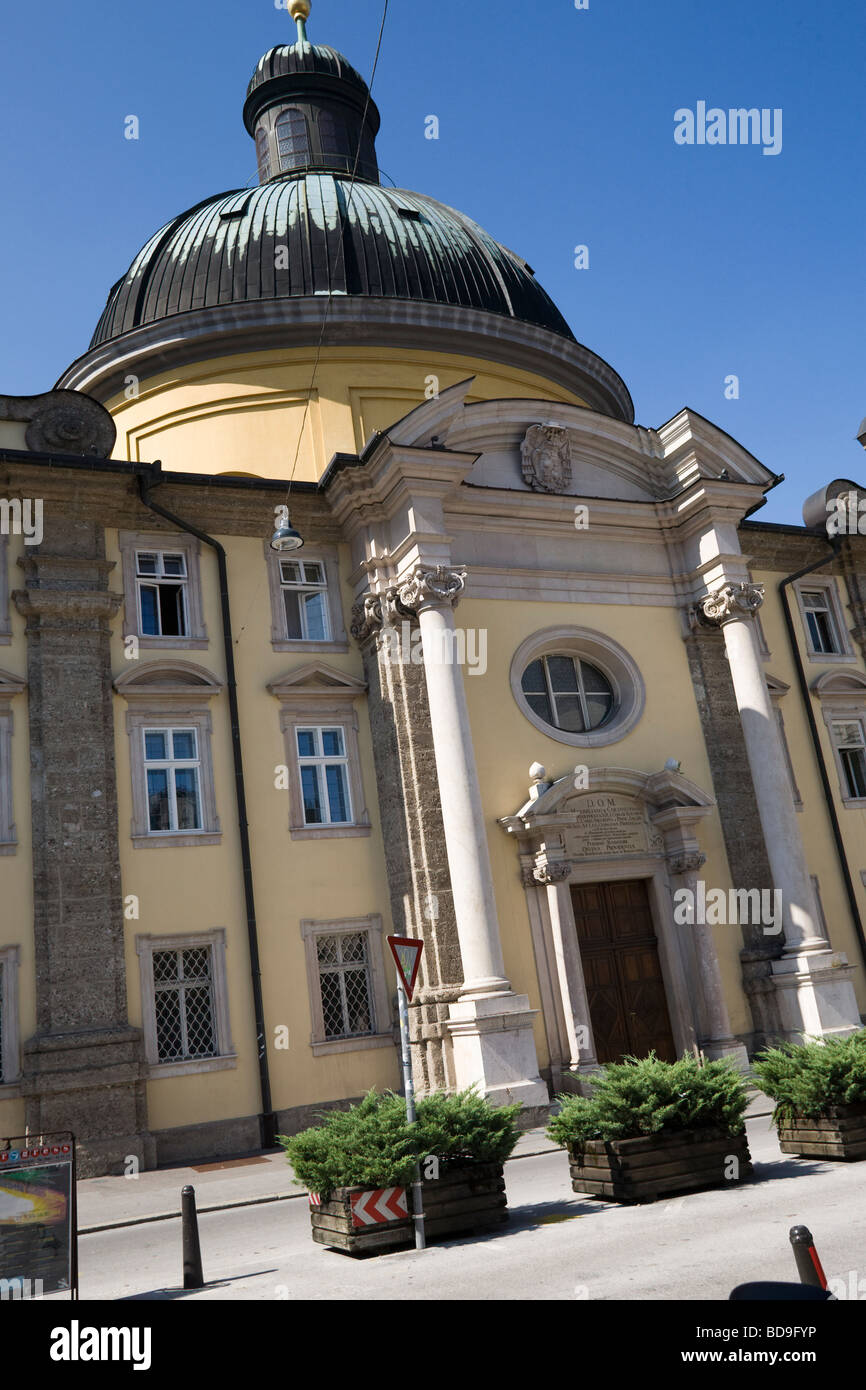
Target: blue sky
[(556, 129)]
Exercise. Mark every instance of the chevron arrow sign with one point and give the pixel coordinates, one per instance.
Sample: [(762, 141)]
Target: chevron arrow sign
[(383, 1204)]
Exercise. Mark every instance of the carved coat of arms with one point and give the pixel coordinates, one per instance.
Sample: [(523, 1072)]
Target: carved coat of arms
[(546, 458)]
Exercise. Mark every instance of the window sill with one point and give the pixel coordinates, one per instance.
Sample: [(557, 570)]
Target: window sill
[(172, 644), (329, 832), (10, 1090), (175, 841), (360, 1044), (8, 847), (157, 1070), (830, 658), (854, 803), (285, 644)]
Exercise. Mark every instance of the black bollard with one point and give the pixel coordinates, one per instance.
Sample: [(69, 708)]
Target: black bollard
[(193, 1278), (808, 1264)]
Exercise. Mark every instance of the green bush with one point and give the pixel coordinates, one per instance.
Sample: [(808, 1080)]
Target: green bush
[(371, 1144), (808, 1078), (643, 1095)]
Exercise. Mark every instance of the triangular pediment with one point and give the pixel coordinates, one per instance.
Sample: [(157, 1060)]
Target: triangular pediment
[(316, 677)]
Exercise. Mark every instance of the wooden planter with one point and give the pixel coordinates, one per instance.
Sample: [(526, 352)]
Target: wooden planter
[(841, 1133), (466, 1198), (640, 1170)]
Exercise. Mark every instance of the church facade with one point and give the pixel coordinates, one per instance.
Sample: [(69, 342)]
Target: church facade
[(538, 687)]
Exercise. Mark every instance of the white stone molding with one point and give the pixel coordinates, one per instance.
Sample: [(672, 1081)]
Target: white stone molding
[(599, 650), (10, 686), (178, 542), (327, 556), (170, 694), (215, 941), (318, 694), (383, 1033)]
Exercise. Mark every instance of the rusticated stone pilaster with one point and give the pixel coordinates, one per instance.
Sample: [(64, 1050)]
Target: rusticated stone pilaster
[(414, 836), (738, 814), (83, 1069)]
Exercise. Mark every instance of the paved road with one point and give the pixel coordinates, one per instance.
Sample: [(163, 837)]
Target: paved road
[(558, 1244)]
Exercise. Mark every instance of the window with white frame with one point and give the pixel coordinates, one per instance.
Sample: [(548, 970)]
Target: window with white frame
[(10, 1068), (173, 770), (822, 627), (349, 1006), (162, 588), (850, 745), (185, 1014), (324, 769), (304, 589), (161, 580), (170, 755)]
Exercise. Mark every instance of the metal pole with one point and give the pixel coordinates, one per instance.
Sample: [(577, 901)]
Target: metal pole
[(806, 1256), (409, 1089), (193, 1277)]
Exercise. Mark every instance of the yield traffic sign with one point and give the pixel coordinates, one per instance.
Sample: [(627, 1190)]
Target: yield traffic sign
[(406, 951)]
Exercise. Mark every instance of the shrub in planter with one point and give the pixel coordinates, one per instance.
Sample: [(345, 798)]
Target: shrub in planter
[(651, 1127), (820, 1094), (370, 1148)]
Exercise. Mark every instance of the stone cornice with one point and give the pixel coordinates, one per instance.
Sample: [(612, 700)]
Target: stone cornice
[(91, 606)]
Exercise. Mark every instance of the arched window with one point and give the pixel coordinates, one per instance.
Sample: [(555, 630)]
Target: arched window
[(332, 133), (293, 139), (263, 155)]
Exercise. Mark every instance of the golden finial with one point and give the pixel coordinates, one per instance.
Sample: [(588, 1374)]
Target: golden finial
[(300, 12)]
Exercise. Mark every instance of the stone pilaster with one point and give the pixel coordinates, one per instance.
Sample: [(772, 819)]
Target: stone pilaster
[(84, 1067), (813, 983), (419, 883), (738, 815)]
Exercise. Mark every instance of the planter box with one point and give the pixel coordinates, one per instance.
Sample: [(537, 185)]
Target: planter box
[(466, 1198), (841, 1133), (640, 1170)]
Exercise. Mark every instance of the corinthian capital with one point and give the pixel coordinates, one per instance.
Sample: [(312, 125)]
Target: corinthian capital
[(435, 586), (730, 602)]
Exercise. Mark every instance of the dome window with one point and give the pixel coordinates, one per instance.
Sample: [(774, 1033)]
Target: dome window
[(332, 134), (263, 155), (293, 139)]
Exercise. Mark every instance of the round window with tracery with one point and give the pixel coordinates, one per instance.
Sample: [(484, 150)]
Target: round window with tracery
[(568, 693)]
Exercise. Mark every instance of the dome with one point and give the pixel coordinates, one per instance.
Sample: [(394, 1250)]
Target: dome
[(283, 241), (287, 60)]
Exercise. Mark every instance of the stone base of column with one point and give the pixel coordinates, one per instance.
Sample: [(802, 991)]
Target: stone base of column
[(92, 1083), (727, 1050), (495, 1050), (816, 997)]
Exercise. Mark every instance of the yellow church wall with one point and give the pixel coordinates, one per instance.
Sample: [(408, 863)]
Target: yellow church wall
[(506, 744), (184, 890), (16, 869), (813, 819), (246, 413)]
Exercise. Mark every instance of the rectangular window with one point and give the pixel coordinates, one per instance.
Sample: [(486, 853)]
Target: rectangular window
[(851, 747), (304, 588), (820, 623), (344, 981), (161, 579), (184, 1004), (173, 772), (324, 769), (2, 1016)]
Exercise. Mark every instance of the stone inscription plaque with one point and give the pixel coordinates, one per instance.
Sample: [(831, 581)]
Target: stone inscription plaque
[(605, 824)]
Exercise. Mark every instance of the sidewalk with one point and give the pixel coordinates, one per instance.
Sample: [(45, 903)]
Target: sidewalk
[(107, 1203)]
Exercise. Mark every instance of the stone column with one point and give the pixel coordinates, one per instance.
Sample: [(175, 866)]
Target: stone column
[(554, 875), (714, 1025), (490, 1025), (817, 994), (84, 1068)]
